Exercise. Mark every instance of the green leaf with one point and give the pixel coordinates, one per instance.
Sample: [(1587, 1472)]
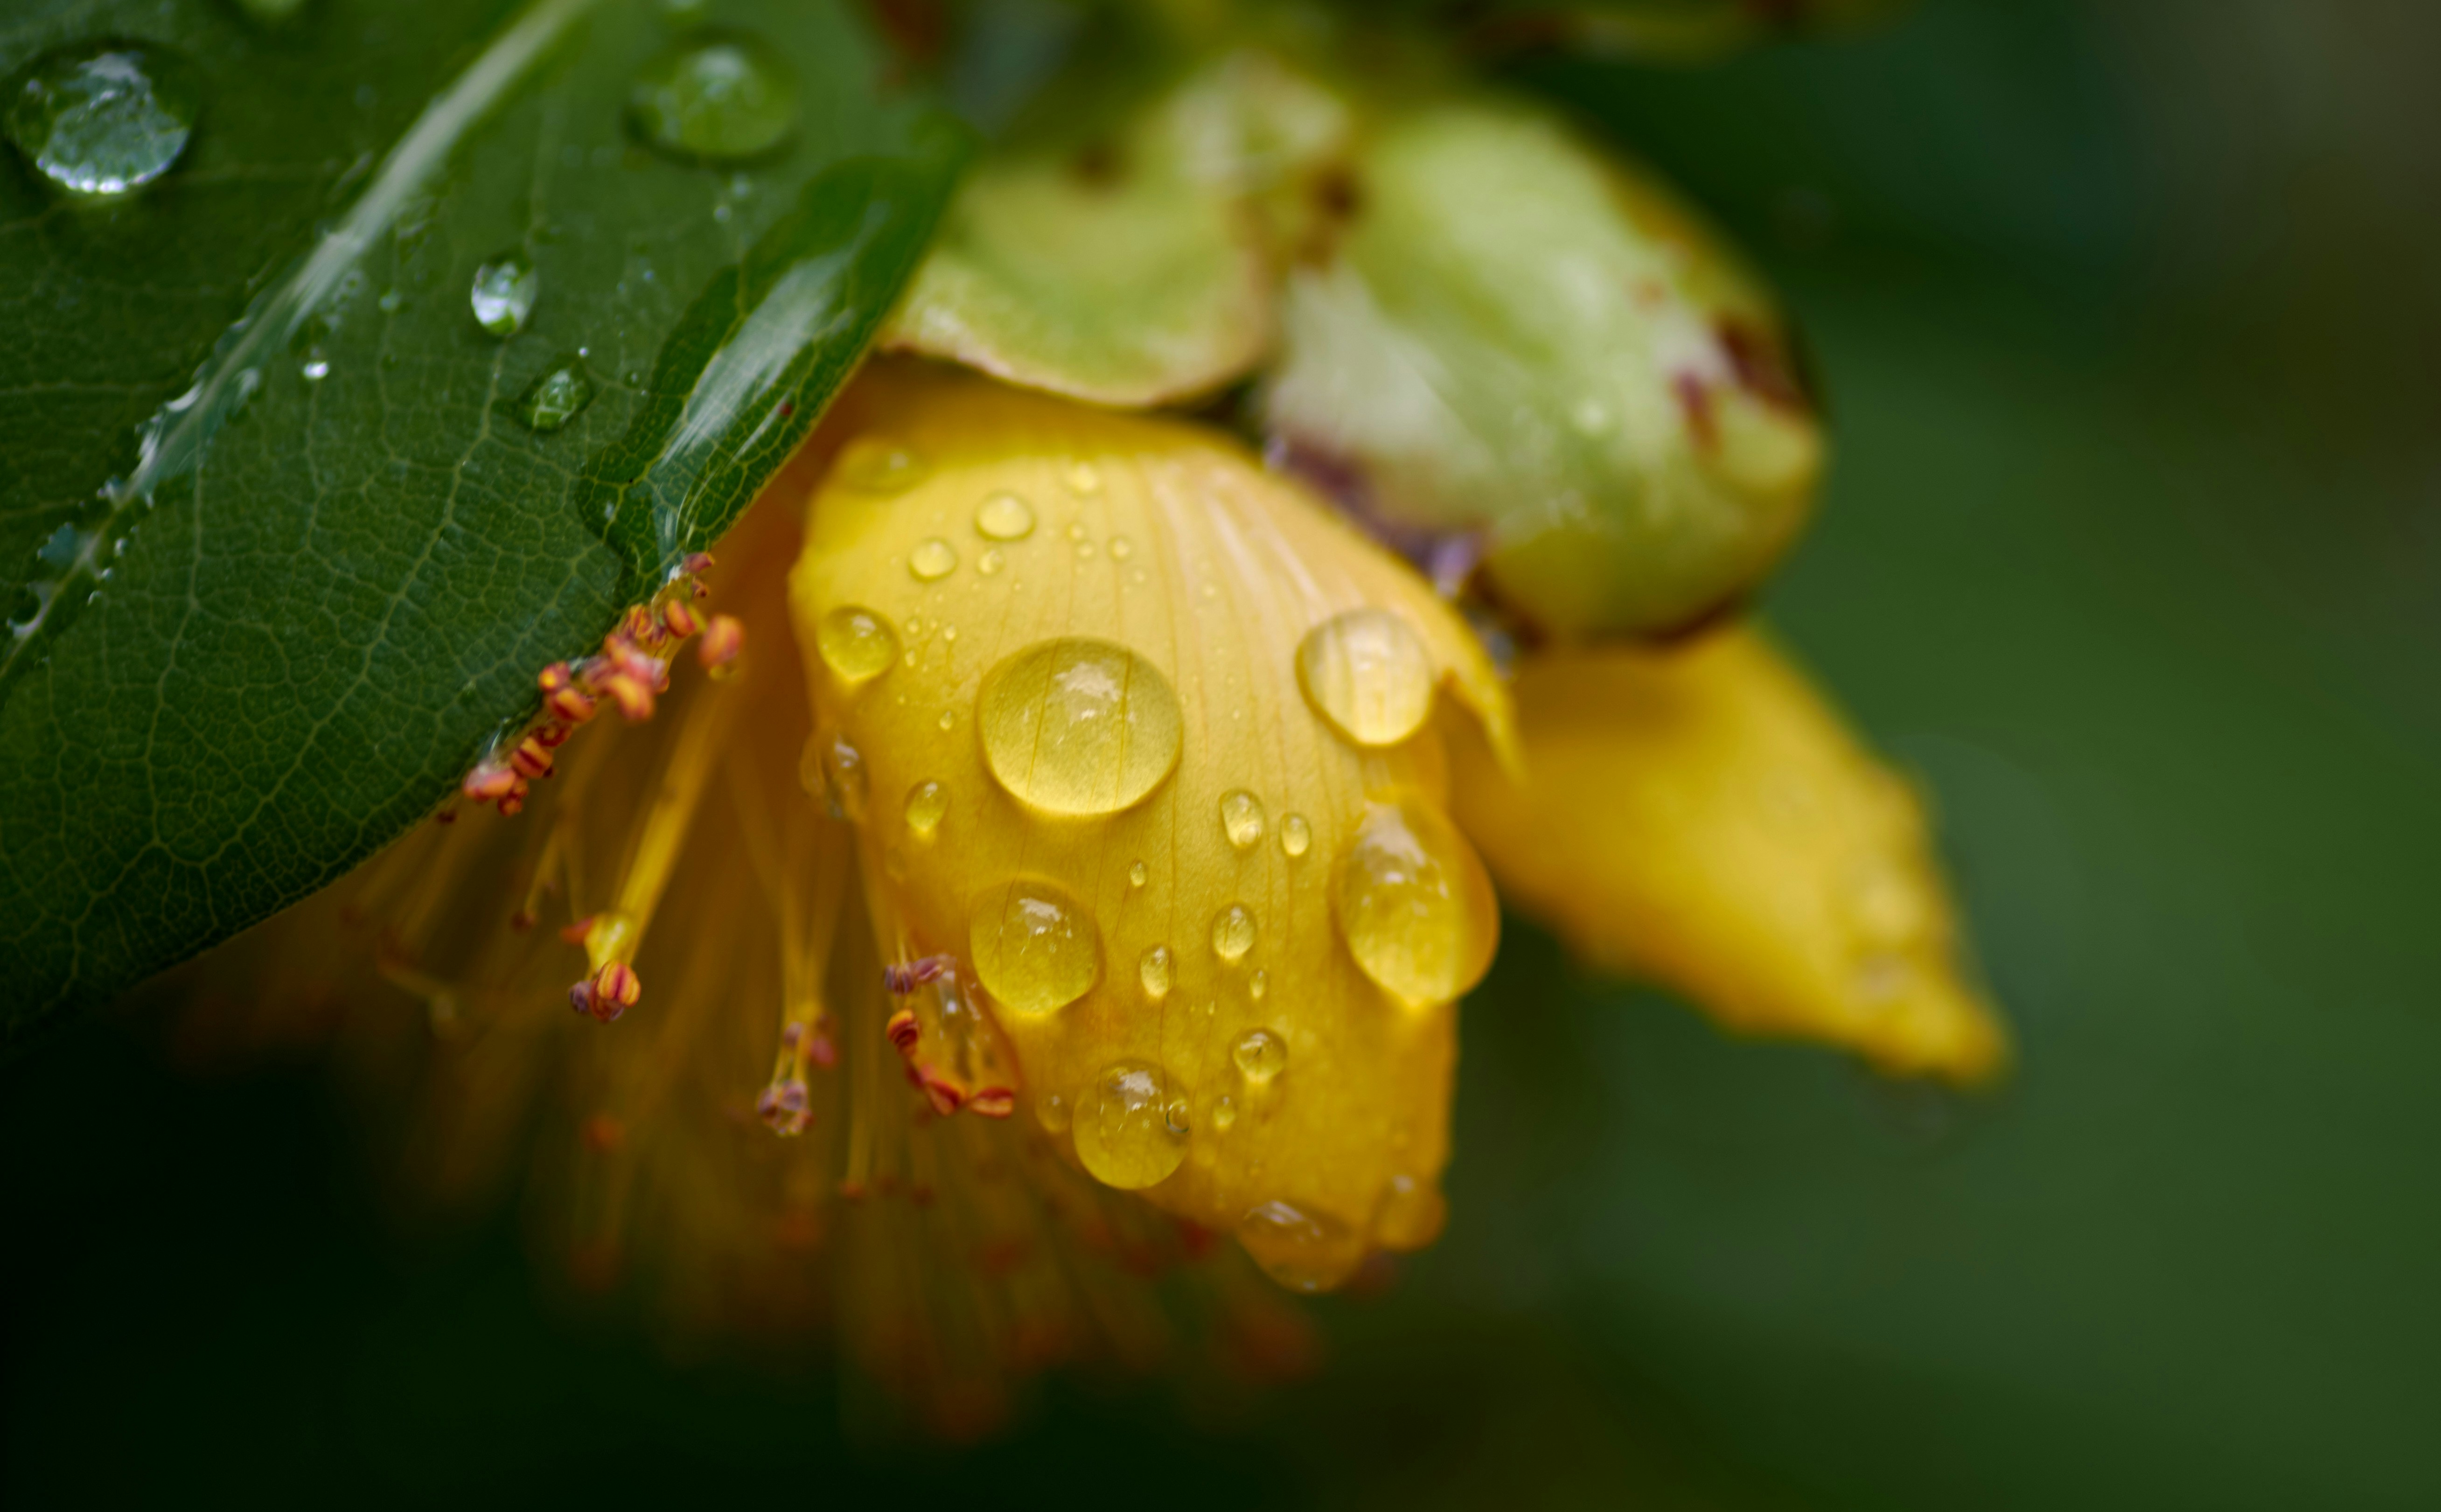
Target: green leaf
[(285, 529)]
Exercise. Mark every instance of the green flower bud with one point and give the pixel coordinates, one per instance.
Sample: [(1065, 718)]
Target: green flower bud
[(1513, 339)]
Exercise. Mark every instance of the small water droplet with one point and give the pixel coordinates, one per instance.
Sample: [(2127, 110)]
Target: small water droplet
[(1224, 1113), (1138, 875), (876, 465), (1367, 674), (1233, 933), (1120, 550), (1241, 819), (1296, 836), (932, 560), (1073, 726), (1125, 1135), (1051, 1111), (559, 396), (715, 97), (1035, 947), (503, 293), (1260, 1055), (1084, 551), (947, 721), (1084, 478), (1414, 905), (1258, 984), (389, 302), (926, 802), (990, 562), (1153, 970), (856, 642), (98, 119), (1005, 517), (1412, 1214), (1304, 1251), (843, 781), (317, 366)]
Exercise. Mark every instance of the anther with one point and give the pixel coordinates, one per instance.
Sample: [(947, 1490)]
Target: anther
[(906, 976), (574, 933), (723, 638), (532, 759), (944, 1094), (489, 782), (680, 619), (902, 1030), (615, 990), (994, 1101)]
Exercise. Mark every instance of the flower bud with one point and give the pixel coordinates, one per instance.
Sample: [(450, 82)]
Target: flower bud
[(1513, 340)]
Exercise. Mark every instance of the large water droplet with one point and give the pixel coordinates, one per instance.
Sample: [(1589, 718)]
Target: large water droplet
[(715, 97), (876, 465), (503, 294), (926, 803), (932, 560), (1414, 905), (1296, 836), (1153, 971), (556, 397), (1078, 727), (1241, 819), (856, 642), (1125, 1132), (101, 119), (1035, 947), (1005, 517), (1260, 1055), (1302, 1250), (1367, 674), (1233, 933)]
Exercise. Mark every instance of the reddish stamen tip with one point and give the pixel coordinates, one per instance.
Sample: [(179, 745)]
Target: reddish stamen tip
[(488, 782), (697, 562), (902, 1030), (615, 990), (680, 619), (994, 1101), (946, 1095), (723, 638), (532, 759), (575, 933)]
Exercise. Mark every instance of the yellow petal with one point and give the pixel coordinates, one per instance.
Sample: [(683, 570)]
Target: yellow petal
[(1138, 738), (1699, 817)]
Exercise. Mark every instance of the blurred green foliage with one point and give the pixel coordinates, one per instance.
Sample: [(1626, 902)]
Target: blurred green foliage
[(2127, 315)]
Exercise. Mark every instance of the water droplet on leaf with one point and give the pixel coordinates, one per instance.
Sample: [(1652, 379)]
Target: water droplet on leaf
[(503, 293), (717, 97), (100, 119), (556, 397)]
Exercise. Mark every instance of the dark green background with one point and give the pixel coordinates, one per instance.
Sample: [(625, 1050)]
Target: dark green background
[(2129, 323)]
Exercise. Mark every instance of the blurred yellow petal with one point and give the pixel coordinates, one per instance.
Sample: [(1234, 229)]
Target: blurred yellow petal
[(1139, 740), (1699, 817)]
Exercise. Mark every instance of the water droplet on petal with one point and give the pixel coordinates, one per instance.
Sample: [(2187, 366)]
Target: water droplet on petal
[(1412, 1214), (1302, 1250), (503, 294), (1368, 675), (1078, 727), (1120, 549), (926, 803), (1153, 971), (875, 464), (1260, 1055), (1233, 933), (1224, 1113), (1083, 478), (990, 562), (716, 97), (100, 119), (1035, 947), (1296, 836), (1051, 1111), (1125, 1135), (1241, 819), (844, 783), (1414, 905), (1137, 875), (932, 560), (1258, 984), (559, 396), (1005, 517), (856, 642)]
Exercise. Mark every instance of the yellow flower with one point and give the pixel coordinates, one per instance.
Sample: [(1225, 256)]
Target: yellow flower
[(1074, 847)]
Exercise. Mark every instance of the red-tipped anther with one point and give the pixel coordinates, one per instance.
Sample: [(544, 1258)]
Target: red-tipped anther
[(568, 704), (902, 1030), (994, 1101), (488, 782), (532, 759), (522, 920), (697, 562), (615, 990), (552, 734), (724, 636), (580, 997), (943, 1094), (783, 1106), (514, 804), (602, 1134), (447, 815), (823, 1051), (680, 619), (634, 698), (575, 933), (553, 678), (906, 975)]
